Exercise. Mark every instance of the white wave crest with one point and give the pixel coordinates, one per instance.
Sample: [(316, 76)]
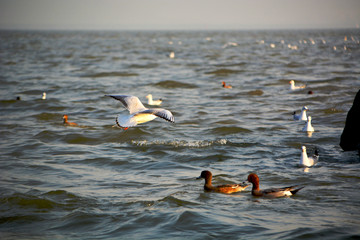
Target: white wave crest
[(181, 143)]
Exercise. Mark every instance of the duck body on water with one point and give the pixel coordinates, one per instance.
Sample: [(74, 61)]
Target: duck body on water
[(226, 85), (227, 188), (270, 192), (66, 122)]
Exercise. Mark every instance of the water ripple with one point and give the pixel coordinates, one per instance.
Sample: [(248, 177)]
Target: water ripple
[(96, 181)]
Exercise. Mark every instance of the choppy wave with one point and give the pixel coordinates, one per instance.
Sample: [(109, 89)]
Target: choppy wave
[(224, 130), (257, 92), (181, 143), (174, 84), (149, 65), (223, 72), (110, 74), (42, 202)]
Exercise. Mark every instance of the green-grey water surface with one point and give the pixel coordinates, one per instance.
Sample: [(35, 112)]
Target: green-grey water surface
[(96, 181)]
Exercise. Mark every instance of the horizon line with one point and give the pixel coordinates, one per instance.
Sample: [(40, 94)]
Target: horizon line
[(175, 29)]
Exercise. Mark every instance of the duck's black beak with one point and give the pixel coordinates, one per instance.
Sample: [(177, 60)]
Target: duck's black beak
[(199, 177)]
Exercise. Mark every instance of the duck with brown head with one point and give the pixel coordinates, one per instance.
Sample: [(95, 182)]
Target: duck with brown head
[(271, 192), (66, 122), (227, 188), (225, 85)]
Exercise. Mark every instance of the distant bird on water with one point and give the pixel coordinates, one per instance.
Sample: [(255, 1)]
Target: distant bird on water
[(226, 86), (153, 102), (227, 188), (293, 87), (66, 122), (43, 96), (138, 113)]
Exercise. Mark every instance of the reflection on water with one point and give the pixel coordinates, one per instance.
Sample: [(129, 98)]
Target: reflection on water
[(309, 134)]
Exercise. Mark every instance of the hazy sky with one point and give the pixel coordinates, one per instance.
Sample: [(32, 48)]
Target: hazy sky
[(178, 14)]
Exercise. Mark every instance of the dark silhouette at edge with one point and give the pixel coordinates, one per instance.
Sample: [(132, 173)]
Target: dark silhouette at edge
[(350, 137)]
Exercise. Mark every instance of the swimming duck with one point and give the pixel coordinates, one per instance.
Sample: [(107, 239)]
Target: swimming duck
[(138, 113), (228, 188), (271, 192), (43, 96), (308, 161), (302, 115), (66, 122), (293, 87), (226, 86), (153, 102), (308, 127)]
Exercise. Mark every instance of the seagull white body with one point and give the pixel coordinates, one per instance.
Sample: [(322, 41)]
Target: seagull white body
[(44, 96), (230, 44), (138, 113), (308, 127), (293, 87), (308, 161), (153, 102), (302, 116)]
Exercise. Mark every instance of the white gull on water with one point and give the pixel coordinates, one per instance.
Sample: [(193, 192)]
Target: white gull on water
[(153, 102), (138, 113), (308, 161), (302, 115), (308, 127), (293, 87)]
